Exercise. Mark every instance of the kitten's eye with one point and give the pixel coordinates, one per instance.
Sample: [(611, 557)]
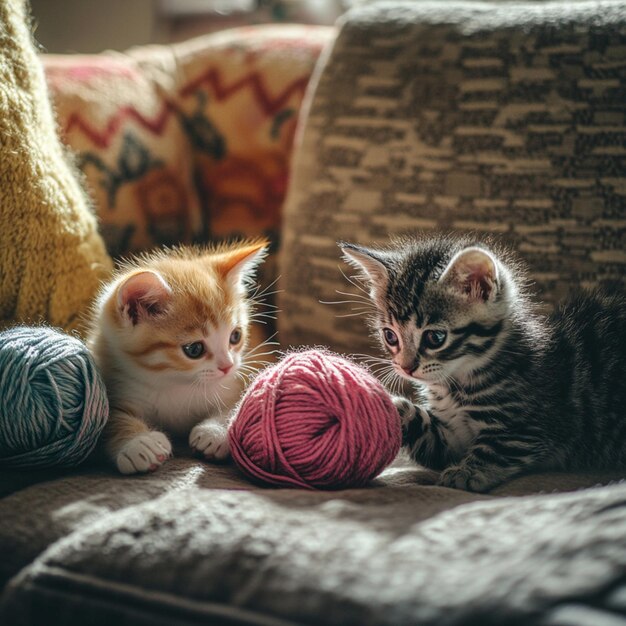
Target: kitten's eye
[(235, 337), (390, 337), (194, 350), (433, 339)]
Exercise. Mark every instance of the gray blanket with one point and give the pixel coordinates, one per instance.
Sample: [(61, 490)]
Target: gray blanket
[(211, 549)]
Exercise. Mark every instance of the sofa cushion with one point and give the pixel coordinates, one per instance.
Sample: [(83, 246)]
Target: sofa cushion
[(37, 507), (191, 141), (404, 554), (503, 119)]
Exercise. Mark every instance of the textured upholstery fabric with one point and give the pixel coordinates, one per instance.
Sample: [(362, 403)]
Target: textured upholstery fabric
[(504, 119), (196, 544)]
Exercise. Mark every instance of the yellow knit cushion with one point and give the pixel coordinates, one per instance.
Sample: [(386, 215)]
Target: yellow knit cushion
[(52, 258)]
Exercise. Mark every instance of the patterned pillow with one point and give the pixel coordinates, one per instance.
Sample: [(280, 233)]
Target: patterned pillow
[(118, 118), (507, 119), (188, 142)]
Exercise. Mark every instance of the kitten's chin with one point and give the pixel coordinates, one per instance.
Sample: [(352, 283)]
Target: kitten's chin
[(213, 377)]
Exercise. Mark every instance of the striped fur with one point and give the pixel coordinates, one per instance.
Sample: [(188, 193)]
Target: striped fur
[(508, 390)]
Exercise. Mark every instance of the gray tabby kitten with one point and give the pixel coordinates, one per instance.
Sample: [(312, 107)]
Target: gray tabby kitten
[(508, 390)]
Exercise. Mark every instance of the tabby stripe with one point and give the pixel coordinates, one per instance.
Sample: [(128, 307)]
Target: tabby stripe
[(489, 417), (479, 329), (157, 367), (449, 352), (459, 347), (472, 348), (151, 347), (618, 438), (568, 389), (433, 449), (509, 449), (412, 432), (590, 426), (488, 455), (491, 377)]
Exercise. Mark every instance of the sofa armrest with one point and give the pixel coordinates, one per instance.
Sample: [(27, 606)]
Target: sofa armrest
[(501, 119)]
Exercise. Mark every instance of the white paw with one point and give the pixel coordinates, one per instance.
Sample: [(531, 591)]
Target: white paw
[(210, 440), (144, 453)]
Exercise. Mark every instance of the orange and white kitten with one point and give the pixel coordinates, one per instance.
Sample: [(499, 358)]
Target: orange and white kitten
[(169, 335)]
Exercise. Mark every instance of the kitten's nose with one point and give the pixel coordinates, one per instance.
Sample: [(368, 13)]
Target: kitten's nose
[(409, 369), (225, 368)]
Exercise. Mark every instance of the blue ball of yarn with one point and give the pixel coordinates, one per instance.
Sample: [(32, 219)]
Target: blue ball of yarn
[(53, 403)]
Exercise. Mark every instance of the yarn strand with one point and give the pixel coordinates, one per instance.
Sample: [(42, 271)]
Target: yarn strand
[(53, 403), (315, 420)]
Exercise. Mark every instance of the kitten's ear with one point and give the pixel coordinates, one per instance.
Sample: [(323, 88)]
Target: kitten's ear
[(370, 262), (142, 295), (474, 272), (238, 265)]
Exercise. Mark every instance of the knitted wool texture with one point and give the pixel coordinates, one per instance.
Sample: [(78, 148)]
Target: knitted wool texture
[(54, 403), (315, 420), (51, 255)]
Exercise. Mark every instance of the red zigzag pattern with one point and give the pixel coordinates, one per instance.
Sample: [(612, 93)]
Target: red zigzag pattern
[(268, 104)]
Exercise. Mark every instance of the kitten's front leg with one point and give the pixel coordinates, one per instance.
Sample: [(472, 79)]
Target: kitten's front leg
[(132, 446), (483, 468), (421, 435), (210, 439)]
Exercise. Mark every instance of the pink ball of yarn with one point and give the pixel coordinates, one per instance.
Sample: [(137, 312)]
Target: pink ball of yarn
[(315, 420)]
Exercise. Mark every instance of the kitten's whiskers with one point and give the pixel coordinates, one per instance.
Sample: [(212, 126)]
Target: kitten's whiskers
[(197, 382), (263, 293), (268, 342), (355, 282), (364, 303)]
